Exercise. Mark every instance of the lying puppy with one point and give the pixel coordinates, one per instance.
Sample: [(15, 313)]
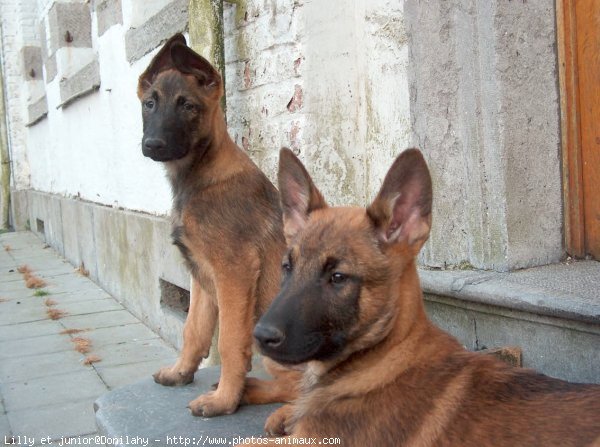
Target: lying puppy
[(378, 372)]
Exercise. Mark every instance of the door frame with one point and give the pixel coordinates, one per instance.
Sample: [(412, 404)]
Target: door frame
[(572, 172)]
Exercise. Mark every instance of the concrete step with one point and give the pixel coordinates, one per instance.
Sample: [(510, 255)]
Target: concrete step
[(551, 312), (157, 414)]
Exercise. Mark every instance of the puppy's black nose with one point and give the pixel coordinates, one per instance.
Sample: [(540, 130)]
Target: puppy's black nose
[(154, 144), (268, 336)]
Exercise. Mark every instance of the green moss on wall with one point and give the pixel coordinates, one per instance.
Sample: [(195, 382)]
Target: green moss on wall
[(206, 33)]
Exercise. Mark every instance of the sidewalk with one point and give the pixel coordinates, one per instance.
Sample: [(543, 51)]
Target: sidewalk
[(46, 388)]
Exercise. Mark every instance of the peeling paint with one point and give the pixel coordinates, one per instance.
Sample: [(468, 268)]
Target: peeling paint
[(247, 80), (297, 65), (296, 101)]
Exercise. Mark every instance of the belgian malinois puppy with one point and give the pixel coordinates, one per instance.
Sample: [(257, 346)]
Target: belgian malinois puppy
[(226, 219), (378, 372)]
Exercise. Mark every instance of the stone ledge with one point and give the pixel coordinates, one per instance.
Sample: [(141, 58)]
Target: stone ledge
[(108, 13), (85, 81), (566, 291), (51, 68), (32, 63), (36, 111), (172, 19), (70, 25), (155, 412), (551, 312)]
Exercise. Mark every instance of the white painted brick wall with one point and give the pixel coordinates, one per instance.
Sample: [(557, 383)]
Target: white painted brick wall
[(18, 29), (263, 54), (301, 75), (341, 68)]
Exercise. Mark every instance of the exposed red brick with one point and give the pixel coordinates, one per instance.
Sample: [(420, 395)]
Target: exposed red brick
[(296, 101), (297, 64), (247, 80), (294, 131)]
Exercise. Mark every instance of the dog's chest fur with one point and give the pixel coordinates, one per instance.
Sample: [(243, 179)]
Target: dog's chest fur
[(179, 236)]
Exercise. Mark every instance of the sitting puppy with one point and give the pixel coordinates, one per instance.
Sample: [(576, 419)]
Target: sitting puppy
[(226, 221), (378, 372)]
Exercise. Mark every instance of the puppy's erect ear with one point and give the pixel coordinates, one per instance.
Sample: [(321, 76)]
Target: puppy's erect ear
[(401, 212), (161, 62), (299, 195), (188, 61)]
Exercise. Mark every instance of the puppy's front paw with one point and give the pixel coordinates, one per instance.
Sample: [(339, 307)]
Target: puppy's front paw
[(279, 422), (172, 376), (212, 404)]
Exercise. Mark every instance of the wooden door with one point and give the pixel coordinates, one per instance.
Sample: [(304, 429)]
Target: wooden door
[(579, 65)]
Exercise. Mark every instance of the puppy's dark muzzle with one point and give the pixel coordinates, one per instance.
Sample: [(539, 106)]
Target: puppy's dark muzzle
[(158, 150), (268, 337), (155, 148)]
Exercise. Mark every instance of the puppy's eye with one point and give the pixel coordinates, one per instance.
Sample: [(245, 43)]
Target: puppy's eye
[(286, 267), (188, 106), (149, 104), (338, 278)]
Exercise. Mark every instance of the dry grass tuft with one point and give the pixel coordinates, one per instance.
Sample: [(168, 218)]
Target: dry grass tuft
[(72, 331), (91, 359), (82, 270), (2, 300), (34, 282), (82, 345), (50, 302), (55, 314), (7, 247), (24, 269)]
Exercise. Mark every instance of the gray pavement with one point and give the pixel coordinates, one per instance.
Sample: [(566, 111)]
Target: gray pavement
[(46, 389)]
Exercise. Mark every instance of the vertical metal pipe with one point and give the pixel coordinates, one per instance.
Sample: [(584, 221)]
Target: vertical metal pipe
[(4, 154)]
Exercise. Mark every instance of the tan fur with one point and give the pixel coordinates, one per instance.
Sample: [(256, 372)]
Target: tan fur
[(398, 380), (226, 221)]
